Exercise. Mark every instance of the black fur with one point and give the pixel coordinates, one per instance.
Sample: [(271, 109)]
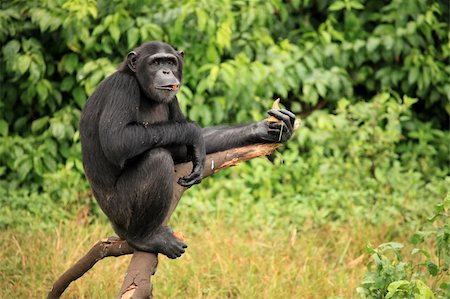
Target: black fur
[(132, 134)]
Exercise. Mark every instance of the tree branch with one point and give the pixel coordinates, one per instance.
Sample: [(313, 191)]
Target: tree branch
[(112, 246), (143, 264)]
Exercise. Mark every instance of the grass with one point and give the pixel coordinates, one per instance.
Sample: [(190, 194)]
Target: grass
[(223, 261)]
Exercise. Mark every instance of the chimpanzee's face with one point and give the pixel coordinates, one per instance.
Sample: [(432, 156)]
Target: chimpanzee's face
[(158, 69)]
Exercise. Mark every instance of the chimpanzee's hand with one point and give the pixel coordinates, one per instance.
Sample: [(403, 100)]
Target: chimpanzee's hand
[(195, 176), (198, 160), (274, 132)]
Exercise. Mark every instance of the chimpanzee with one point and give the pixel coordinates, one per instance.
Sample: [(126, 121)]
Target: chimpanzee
[(133, 132)]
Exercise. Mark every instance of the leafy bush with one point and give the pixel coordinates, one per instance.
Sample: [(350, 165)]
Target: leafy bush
[(339, 166), (396, 278)]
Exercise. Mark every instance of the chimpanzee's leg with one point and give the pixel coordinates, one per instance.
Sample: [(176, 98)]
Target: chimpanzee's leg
[(144, 193)]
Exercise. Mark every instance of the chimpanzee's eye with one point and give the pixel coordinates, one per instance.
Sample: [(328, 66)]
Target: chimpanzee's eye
[(170, 62)]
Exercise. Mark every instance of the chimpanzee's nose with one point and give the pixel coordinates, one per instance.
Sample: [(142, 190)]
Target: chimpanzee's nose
[(166, 72)]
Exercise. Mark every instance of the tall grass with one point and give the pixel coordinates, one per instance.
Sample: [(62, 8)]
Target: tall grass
[(222, 261)]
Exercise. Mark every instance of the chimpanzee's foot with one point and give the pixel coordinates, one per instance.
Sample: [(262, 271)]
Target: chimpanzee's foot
[(163, 241)]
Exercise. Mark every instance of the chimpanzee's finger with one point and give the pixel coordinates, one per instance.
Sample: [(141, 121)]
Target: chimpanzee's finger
[(279, 135), (279, 127), (274, 132), (281, 116), (191, 179), (290, 114)]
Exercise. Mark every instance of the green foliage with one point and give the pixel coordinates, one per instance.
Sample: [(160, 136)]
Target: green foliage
[(339, 166), (239, 56), (236, 51), (390, 276)]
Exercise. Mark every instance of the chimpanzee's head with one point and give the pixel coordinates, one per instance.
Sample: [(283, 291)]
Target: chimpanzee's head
[(158, 68)]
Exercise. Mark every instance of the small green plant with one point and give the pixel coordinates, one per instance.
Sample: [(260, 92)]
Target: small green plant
[(389, 275)]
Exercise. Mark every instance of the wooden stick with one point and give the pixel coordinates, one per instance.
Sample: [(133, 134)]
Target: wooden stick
[(112, 246), (143, 264)]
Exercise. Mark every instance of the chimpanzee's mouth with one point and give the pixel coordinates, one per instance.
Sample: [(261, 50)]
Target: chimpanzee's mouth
[(169, 87)]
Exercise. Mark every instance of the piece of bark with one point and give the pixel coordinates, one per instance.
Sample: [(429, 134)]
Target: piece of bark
[(143, 264)]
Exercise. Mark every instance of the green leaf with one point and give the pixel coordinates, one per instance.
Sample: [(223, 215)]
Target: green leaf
[(343, 104), (424, 291), (24, 169), (58, 130), (356, 5), (20, 123), (394, 286), (432, 268), (223, 35), (372, 43), (3, 128), (212, 54), (115, 32), (11, 49), (39, 124), (133, 37), (202, 19), (42, 90), (417, 238), (321, 89), (391, 245), (38, 165), (338, 5), (49, 162), (67, 83), (35, 73), (2, 170), (70, 62), (413, 75), (409, 101), (92, 9), (388, 42), (92, 81), (213, 76), (98, 30), (79, 96), (23, 63)]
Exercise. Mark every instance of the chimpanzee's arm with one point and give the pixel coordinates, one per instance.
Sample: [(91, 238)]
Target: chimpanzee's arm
[(123, 138), (217, 139), (225, 137), (194, 151), (220, 138)]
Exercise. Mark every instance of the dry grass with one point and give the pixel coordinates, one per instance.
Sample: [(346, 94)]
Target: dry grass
[(221, 262)]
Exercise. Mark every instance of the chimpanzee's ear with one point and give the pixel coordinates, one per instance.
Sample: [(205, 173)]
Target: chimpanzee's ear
[(181, 53), (131, 61)]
